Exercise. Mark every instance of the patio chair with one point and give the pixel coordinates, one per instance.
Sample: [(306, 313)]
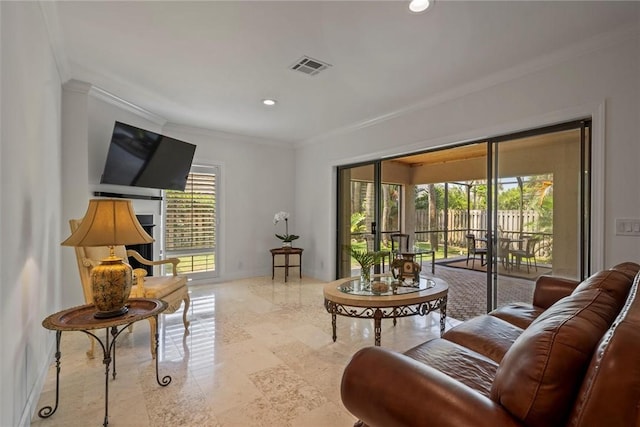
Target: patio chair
[(528, 253), (402, 242), (504, 252), (473, 249), (383, 254)]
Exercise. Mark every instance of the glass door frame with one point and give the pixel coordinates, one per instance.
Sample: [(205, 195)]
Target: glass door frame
[(584, 196), (343, 221), (340, 226)]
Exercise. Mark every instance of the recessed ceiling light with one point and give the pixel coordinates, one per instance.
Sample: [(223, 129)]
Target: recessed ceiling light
[(418, 6), (269, 102)]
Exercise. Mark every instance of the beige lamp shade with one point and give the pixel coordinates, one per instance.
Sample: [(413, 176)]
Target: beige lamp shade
[(109, 222)]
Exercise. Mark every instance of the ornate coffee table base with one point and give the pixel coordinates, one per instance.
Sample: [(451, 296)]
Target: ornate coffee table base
[(379, 313), (56, 323)]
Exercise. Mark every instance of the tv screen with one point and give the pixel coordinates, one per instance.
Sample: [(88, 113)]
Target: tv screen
[(141, 158)]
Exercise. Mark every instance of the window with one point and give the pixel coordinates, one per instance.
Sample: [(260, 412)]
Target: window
[(190, 222)]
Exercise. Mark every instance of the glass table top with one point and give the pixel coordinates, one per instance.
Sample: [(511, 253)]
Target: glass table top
[(381, 286)]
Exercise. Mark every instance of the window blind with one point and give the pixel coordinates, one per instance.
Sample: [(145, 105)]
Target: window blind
[(190, 225)]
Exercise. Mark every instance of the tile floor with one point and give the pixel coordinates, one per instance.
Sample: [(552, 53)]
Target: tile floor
[(259, 353)]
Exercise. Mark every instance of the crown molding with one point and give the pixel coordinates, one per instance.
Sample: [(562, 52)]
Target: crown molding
[(109, 98), (105, 96), (76, 86), (49, 11), (215, 134), (593, 44)]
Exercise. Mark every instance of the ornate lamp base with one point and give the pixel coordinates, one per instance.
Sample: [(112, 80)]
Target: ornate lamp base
[(111, 284)]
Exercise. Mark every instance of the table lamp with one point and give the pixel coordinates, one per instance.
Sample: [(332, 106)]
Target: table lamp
[(110, 222)]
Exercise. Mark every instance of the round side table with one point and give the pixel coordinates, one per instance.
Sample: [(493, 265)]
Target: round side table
[(81, 319)]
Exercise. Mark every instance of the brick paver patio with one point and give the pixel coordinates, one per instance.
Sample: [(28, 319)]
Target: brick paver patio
[(468, 291)]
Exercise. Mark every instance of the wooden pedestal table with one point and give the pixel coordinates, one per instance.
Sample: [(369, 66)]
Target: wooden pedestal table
[(286, 252), (351, 298), (81, 319)]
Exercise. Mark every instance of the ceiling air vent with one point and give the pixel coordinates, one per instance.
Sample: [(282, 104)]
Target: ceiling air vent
[(309, 66)]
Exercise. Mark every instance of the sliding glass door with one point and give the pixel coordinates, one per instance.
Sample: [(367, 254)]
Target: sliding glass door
[(539, 211), (357, 214), (370, 207), (511, 208)]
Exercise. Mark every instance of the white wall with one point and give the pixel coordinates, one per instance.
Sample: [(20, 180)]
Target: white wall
[(87, 123), (30, 206), (602, 81), (257, 180)]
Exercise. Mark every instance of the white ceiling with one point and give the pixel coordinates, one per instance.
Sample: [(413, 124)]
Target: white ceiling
[(208, 64)]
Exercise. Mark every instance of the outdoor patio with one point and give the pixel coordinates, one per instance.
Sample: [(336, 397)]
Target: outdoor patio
[(468, 290)]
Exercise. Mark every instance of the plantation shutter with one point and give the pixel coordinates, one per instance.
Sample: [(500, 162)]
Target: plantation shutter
[(190, 226)]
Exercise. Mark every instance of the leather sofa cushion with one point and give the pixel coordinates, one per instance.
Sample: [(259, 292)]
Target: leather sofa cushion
[(462, 364), (518, 314), (539, 376), (488, 335)]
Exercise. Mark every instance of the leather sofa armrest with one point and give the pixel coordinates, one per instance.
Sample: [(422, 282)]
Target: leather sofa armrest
[(550, 289), (383, 388)]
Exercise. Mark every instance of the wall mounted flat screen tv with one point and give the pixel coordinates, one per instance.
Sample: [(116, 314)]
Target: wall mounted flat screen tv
[(141, 158)]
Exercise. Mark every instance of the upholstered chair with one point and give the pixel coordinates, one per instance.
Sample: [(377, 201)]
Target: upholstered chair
[(172, 289)]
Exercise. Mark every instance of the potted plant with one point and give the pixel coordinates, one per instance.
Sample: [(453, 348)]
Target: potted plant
[(366, 259), (286, 237)]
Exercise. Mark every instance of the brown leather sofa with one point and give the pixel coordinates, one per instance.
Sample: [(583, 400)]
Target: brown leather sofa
[(572, 358)]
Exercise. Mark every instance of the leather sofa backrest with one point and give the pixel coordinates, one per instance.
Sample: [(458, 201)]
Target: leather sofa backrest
[(539, 377), (614, 282), (610, 392), (628, 268)]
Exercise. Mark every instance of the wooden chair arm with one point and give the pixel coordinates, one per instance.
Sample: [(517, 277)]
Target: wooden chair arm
[(145, 261), (138, 280)]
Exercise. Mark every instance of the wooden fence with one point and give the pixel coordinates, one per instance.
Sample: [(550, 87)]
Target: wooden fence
[(476, 220), (458, 224), (451, 233)]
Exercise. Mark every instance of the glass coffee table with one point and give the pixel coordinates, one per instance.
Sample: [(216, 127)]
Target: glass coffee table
[(385, 298)]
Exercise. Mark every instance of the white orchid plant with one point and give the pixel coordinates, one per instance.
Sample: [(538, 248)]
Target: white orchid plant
[(286, 237)]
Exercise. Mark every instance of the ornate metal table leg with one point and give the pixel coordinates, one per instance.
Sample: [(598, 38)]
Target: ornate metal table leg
[(47, 411), (394, 316), (166, 380), (114, 334), (443, 315), (333, 326), (377, 325), (330, 306), (106, 360)]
